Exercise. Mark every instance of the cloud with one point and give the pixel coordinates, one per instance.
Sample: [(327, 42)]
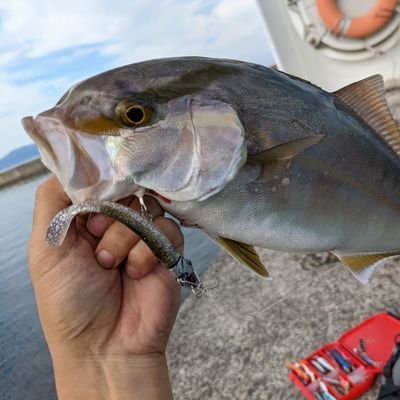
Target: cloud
[(48, 45)]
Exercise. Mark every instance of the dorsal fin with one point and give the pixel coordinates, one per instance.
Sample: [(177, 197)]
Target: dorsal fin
[(367, 99)]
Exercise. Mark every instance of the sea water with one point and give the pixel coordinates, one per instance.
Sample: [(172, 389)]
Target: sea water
[(25, 365)]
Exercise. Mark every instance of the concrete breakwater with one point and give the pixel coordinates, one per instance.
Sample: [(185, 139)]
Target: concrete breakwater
[(21, 172), (234, 342)]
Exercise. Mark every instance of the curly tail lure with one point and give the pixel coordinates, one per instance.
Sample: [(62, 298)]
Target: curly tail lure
[(142, 226)]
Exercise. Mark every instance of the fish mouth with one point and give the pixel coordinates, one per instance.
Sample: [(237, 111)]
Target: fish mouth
[(82, 162), (45, 149), (62, 152)]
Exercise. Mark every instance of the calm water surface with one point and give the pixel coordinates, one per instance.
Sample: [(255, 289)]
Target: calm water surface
[(25, 366)]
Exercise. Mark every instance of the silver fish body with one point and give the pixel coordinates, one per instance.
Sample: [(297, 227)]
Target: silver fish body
[(341, 194), (223, 149)]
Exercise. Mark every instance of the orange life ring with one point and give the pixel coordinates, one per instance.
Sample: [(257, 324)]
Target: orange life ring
[(359, 27)]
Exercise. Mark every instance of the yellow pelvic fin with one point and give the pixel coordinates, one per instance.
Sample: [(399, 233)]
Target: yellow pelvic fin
[(285, 151), (245, 254), (367, 99), (362, 266)]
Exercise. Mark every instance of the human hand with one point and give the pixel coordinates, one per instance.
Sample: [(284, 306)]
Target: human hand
[(119, 319)]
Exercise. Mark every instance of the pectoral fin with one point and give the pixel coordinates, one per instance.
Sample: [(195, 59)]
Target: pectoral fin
[(285, 151), (362, 266), (245, 254)]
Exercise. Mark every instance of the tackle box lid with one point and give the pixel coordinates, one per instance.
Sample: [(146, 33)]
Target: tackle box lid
[(379, 335)]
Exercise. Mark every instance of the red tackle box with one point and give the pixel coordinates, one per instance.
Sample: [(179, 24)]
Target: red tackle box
[(378, 334)]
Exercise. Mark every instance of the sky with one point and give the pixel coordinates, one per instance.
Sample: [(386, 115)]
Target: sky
[(46, 46)]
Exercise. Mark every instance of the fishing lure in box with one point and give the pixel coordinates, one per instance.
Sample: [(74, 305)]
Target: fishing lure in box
[(341, 372)]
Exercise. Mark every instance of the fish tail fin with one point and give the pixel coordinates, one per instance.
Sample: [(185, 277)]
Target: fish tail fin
[(362, 266), (366, 98)]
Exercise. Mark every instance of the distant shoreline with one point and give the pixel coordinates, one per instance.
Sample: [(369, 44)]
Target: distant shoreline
[(22, 172)]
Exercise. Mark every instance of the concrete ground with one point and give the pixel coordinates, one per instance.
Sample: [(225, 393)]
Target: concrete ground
[(234, 342)]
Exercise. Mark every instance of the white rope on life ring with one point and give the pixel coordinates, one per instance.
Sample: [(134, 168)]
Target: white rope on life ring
[(359, 27)]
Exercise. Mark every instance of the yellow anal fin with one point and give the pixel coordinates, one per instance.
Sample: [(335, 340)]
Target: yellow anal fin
[(362, 266), (245, 254), (367, 99)]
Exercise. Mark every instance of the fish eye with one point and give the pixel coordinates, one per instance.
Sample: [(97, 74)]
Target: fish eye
[(136, 115), (131, 113)]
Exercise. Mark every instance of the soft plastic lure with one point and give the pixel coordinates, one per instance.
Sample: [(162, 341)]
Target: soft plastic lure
[(142, 226)]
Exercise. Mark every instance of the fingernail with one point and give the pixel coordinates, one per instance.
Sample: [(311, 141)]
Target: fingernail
[(98, 224), (133, 272), (105, 259)]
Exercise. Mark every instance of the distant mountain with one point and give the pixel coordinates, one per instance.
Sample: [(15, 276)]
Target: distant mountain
[(19, 156)]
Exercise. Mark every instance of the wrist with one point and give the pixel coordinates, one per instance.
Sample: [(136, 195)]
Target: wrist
[(135, 378)]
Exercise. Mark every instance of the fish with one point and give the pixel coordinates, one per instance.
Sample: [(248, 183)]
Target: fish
[(158, 243), (253, 156)]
